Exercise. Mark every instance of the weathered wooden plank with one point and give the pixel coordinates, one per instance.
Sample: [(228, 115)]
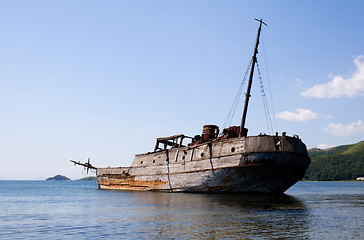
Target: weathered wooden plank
[(236, 165)]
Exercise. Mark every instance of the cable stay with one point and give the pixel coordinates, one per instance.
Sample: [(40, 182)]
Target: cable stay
[(270, 89), (265, 103), (232, 110)]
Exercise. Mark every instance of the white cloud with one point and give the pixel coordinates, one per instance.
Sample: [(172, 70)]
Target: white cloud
[(338, 129), (340, 87), (323, 146), (300, 115)]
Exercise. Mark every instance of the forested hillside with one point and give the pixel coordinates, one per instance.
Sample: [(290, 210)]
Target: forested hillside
[(336, 164)]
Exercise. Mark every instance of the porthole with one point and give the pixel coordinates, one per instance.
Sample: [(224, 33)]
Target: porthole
[(233, 149), (202, 154), (154, 161), (141, 162)]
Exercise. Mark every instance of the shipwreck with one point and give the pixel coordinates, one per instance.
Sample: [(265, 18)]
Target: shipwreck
[(228, 161)]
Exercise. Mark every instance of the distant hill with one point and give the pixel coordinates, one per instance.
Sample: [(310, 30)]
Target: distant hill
[(88, 179), (356, 149), (339, 163), (58, 178)]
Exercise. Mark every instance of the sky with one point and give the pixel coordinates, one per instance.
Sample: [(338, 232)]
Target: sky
[(103, 79)]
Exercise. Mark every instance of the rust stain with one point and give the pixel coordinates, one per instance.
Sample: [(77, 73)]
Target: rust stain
[(227, 181), (130, 183)]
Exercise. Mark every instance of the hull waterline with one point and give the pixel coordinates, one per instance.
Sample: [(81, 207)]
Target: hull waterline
[(242, 165)]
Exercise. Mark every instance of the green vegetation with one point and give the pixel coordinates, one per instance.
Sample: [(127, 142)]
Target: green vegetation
[(356, 149), (88, 179), (58, 178), (340, 163)]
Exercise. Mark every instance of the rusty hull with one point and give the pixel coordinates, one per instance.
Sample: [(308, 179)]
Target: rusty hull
[(257, 164)]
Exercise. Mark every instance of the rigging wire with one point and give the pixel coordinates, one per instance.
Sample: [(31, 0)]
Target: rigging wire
[(270, 89), (265, 103), (232, 110)]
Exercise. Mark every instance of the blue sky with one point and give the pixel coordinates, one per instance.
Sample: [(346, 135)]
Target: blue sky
[(103, 79)]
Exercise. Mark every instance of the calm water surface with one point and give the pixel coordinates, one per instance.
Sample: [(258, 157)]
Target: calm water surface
[(78, 210)]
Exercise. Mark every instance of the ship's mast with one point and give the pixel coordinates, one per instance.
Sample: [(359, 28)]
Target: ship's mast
[(247, 96)]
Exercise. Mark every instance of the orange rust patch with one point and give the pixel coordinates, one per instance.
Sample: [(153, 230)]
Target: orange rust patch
[(131, 184)]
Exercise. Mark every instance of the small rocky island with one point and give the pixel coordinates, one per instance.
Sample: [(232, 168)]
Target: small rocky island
[(58, 178)]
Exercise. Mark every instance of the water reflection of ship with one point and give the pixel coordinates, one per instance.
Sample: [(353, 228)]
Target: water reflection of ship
[(218, 216), (239, 201)]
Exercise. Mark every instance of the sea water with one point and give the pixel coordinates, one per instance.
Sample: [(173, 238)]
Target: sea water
[(78, 210)]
